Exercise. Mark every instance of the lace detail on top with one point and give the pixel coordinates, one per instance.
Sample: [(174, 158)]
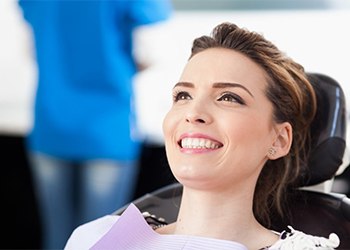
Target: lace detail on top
[(154, 221), (297, 240)]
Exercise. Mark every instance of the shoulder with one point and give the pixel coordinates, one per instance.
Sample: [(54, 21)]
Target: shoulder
[(86, 235), (294, 239)]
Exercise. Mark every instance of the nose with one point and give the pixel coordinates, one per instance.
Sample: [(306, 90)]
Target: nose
[(198, 114), (192, 119)]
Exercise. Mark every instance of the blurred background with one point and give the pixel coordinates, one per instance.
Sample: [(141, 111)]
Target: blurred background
[(313, 32)]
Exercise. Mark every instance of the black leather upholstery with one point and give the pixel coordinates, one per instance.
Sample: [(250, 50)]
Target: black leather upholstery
[(328, 131)]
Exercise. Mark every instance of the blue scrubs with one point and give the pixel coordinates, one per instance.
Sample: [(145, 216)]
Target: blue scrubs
[(84, 144)]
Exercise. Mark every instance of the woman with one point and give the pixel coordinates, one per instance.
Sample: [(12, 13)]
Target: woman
[(236, 138)]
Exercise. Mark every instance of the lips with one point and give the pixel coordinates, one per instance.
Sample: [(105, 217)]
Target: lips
[(199, 143)]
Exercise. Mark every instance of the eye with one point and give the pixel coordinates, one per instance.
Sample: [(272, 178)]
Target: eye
[(231, 97), (181, 95)]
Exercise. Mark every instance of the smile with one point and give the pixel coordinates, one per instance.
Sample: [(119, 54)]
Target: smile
[(199, 143)]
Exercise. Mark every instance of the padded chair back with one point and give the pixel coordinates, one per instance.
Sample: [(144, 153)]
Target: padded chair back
[(328, 131)]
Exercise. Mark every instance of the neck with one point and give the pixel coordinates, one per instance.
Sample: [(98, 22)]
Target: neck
[(221, 215), (220, 211)]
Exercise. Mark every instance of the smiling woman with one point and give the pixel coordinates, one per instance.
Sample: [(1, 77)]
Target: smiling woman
[(236, 138), (222, 101)]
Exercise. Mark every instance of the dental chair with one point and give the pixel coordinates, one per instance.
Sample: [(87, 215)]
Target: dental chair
[(312, 211)]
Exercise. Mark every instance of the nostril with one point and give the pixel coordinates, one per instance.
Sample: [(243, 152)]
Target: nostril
[(200, 120), (197, 120)]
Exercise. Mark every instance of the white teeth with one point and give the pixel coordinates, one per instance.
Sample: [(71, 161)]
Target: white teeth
[(198, 143)]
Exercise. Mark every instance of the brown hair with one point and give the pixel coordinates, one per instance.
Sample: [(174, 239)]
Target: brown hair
[(293, 100)]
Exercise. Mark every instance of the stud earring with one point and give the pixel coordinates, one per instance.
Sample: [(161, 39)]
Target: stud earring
[(271, 151)]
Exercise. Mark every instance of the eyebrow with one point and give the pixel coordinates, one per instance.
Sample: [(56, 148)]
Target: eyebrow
[(217, 85)]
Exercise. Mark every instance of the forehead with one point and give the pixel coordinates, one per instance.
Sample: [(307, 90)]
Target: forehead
[(224, 65)]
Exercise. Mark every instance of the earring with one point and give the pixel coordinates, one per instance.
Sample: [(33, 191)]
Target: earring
[(271, 152)]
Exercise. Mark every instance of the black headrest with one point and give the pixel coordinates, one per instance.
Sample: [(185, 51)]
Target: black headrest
[(328, 131)]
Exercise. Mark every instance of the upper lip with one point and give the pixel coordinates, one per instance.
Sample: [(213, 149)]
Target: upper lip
[(204, 141)]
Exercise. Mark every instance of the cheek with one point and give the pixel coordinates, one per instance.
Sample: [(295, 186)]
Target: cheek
[(250, 133), (169, 125), (247, 150), (240, 127)]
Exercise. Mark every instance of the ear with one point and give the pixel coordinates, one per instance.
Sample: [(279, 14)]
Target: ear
[(283, 141)]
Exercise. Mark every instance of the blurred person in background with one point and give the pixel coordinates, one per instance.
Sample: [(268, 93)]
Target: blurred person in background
[(84, 146)]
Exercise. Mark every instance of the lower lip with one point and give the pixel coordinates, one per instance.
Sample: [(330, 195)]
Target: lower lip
[(197, 150)]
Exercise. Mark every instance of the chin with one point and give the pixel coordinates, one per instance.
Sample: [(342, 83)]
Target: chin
[(193, 179)]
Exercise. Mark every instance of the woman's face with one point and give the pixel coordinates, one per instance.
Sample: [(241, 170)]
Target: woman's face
[(220, 126)]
